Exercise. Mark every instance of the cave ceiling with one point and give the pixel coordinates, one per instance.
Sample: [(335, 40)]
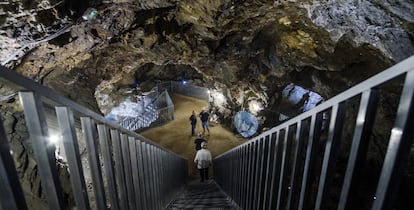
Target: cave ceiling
[(86, 48)]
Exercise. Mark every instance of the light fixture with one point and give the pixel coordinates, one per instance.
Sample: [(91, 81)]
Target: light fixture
[(53, 138), (219, 98), (255, 107)]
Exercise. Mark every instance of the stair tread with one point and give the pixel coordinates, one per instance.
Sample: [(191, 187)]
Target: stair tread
[(206, 196)]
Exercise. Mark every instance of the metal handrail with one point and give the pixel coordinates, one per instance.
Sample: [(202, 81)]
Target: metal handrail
[(127, 170), (293, 165), (184, 89)]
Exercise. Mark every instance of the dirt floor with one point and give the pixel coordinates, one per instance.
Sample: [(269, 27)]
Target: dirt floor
[(176, 135)]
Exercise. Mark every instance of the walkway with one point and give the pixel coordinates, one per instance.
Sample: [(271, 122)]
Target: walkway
[(176, 135), (198, 195)]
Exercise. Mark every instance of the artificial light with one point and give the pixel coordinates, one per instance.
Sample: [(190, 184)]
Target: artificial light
[(255, 107), (53, 138)]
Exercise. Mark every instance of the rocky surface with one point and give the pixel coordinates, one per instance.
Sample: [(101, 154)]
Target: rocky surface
[(245, 51), (27, 170), (263, 44)]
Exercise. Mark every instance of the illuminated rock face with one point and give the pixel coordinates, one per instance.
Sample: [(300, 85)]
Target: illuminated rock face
[(322, 46), (305, 99), (247, 52), (245, 123)]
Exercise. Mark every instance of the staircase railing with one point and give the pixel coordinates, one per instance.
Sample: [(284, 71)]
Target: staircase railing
[(126, 170), (145, 119), (335, 156), (158, 111)]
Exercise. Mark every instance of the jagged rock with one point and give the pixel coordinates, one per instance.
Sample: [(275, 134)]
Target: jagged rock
[(246, 51), (378, 23), (26, 166)]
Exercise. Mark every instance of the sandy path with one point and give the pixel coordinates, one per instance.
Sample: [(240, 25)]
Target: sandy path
[(176, 135)]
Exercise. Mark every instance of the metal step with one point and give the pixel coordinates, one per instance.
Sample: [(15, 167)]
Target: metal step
[(202, 195)]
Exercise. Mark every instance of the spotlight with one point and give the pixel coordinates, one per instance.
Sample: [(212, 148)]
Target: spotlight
[(184, 82), (53, 139), (255, 107)]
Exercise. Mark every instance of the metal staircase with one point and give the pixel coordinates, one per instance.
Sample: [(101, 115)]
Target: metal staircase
[(202, 195), (149, 115), (122, 170), (146, 111)]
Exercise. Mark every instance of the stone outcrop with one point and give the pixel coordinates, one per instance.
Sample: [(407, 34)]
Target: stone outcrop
[(263, 44)]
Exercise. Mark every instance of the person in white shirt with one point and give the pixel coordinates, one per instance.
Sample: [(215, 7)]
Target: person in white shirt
[(203, 161)]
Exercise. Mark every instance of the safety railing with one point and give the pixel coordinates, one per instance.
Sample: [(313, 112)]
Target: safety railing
[(165, 108), (125, 170), (149, 115), (184, 89), (356, 157)]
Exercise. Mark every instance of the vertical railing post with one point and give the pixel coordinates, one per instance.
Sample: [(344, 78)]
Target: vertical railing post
[(245, 176), (147, 174), (161, 177), (274, 190), (89, 133), (253, 160), (399, 146), (308, 171), (262, 172), (170, 170), (44, 152), (332, 148), (248, 173), (150, 178), (164, 182), (157, 180), (256, 172), (270, 160), (151, 167), (282, 191), (239, 188), (142, 173), (363, 129), (126, 157), (11, 193), (106, 149), (135, 172), (119, 170), (234, 168), (299, 142), (70, 144)]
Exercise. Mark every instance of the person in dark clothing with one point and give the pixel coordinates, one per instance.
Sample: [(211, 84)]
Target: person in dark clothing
[(198, 141), (204, 116), (193, 121)]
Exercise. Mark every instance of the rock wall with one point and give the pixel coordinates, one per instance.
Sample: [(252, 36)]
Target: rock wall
[(26, 166), (246, 51), (265, 44)]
